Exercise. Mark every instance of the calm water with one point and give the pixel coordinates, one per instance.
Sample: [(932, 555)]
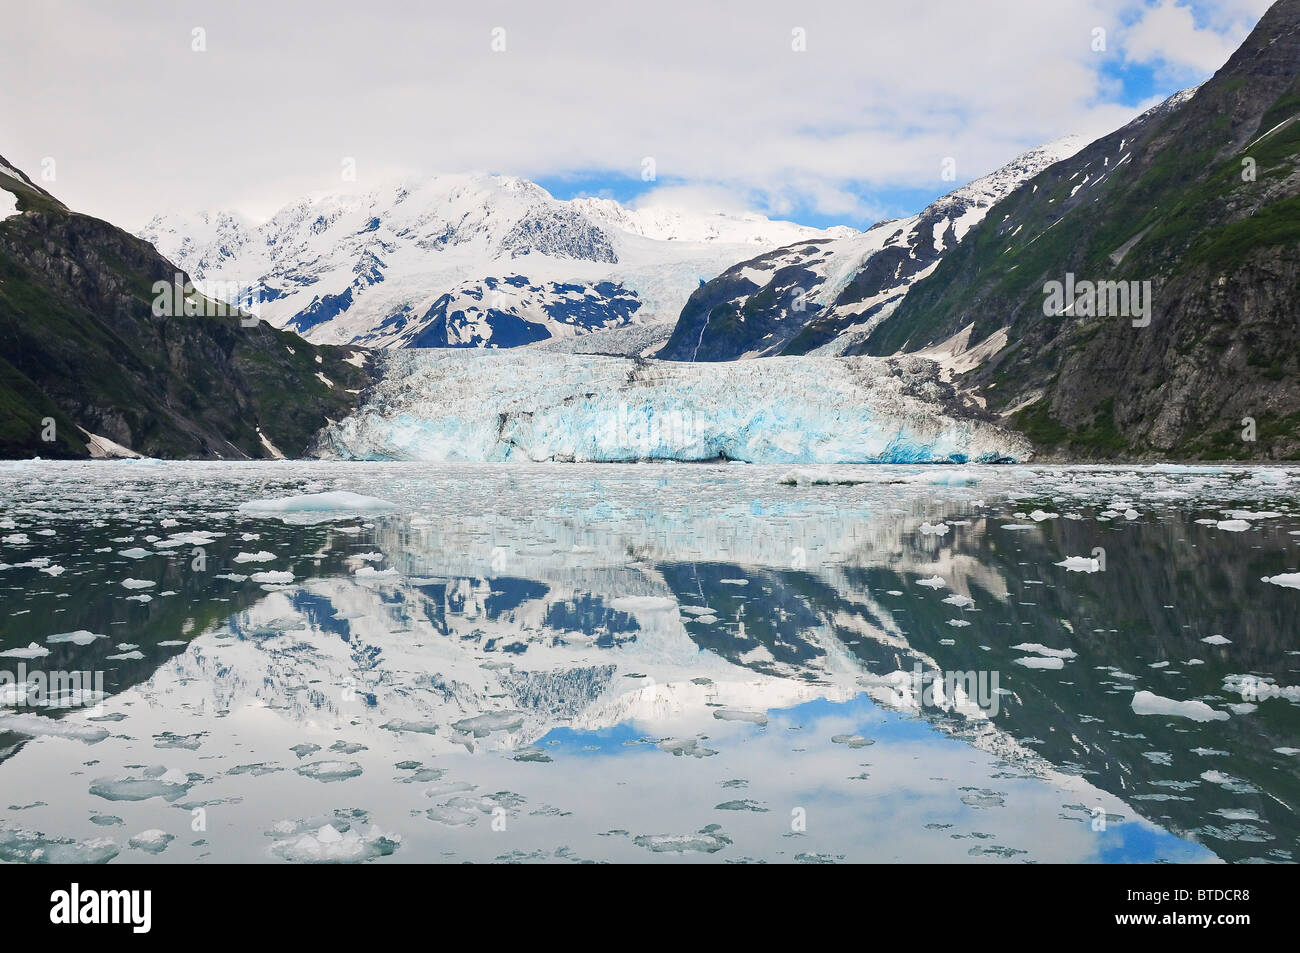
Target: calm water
[(656, 662)]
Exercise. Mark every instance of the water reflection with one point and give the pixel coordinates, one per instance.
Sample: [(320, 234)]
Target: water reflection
[(636, 663)]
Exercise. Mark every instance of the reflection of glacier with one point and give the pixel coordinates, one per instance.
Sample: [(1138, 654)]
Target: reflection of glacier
[(656, 616), (585, 625), (532, 406)]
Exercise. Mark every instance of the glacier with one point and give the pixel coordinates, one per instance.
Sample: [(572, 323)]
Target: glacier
[(442, 406)]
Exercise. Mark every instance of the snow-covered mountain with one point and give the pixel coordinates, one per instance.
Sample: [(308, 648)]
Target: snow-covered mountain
[(462, 261), (822, 295)]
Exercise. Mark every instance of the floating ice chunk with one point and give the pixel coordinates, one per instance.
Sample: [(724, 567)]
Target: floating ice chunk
[(744, 805), (1289, 579), (1080, 564), (1272, 477), (852, 741), (370, 572), (80, 637), (258, 557), (643, 604), (330, 770), (19, 846), (151, 782), (948, 477), (421, 727), (232, 576), (1017, 525), (1035, 661), (736, 714), (272, 576), (1039, 515), (195, 538), (1258, 689), (154, 841), (958, 600), (934, 582), (32, 651), (958, 623), (329, 845), (1233, 526), (16, 539), (480, 726), (1291, 752), (936, 529), (137, 584), (1039, 649), (1148, 703), (135, 552), (40, 726), (318, 507), (1216, 640), (139, 598), (687, 747), (708, 840), (53, 570), (697, 610), (131, 656)]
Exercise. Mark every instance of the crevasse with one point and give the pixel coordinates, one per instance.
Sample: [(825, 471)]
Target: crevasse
[(521, 405)]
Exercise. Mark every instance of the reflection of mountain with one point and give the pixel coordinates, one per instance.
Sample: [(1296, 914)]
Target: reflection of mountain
[(449, 627), (1079, 719)]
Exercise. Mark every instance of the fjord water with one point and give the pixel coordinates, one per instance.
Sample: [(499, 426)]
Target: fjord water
[(650, 662)]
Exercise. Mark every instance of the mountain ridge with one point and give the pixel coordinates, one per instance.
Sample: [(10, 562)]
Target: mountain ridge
[(91, 366), (461, 260), (814, 297), (1197, 200)]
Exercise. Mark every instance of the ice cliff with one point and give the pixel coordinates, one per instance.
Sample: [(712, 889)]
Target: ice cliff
[(441, 406)]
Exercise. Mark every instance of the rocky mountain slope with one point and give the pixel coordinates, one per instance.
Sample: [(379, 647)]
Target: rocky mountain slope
[(462, 261), (1199, 197), (85, 364), (819, 296)]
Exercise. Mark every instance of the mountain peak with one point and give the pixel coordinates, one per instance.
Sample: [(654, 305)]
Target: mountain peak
[(397, 264)]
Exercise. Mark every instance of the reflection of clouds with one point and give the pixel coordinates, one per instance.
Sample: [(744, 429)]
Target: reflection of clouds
[(488, 645)]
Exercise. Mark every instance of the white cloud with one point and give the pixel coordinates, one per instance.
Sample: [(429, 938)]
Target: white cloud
[(1168, 34), (713, 92)]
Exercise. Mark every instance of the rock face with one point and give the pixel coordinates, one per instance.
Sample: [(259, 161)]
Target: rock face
[(821, 295), (1199, 197), (80, 346)]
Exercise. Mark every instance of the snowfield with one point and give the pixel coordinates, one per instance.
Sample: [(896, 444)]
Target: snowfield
[(462, 260), (446, 406)]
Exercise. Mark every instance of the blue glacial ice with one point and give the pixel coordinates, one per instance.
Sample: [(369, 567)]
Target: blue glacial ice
[(519, 405)]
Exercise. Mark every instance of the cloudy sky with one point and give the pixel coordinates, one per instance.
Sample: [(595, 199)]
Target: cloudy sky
[(838, 111)]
